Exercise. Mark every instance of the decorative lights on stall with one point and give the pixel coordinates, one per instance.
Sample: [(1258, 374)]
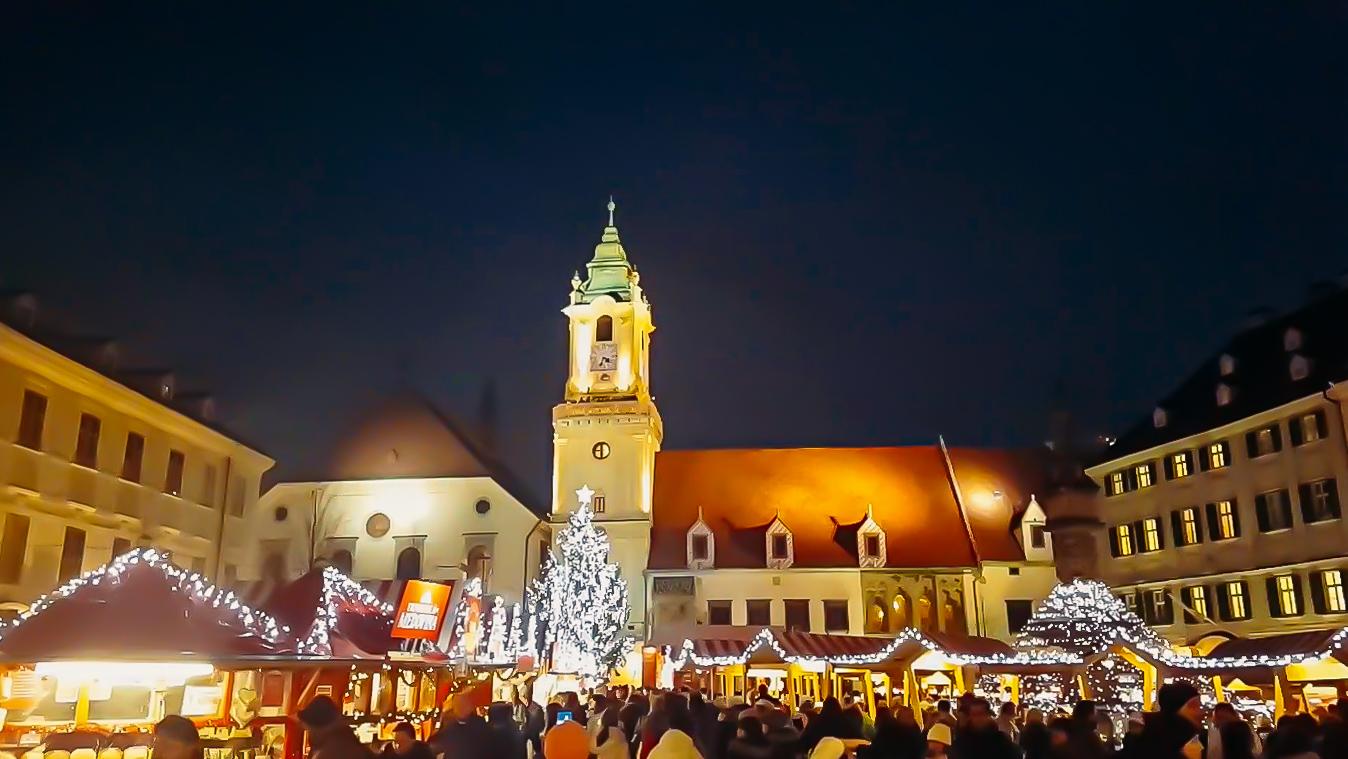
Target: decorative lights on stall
[(194, 583), (337, 587)]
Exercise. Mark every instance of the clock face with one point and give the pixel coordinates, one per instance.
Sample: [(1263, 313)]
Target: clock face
[(604, 357)]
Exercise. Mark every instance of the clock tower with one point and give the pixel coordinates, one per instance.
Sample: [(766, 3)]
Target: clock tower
[(607, 430)]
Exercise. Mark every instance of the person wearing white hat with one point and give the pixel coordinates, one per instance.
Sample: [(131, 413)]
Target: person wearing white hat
[(938, 741)]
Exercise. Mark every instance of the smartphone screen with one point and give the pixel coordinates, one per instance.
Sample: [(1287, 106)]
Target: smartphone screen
[(563, 716)]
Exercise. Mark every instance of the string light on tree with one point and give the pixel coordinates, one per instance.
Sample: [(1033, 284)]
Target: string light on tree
[(580, 600)]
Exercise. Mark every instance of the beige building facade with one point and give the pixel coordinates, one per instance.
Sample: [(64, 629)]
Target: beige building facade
[(1220, 512), (95, 460)]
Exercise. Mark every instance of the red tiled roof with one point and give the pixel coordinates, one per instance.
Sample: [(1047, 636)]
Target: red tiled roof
[(1287, 644), (796, 643), (821, 495)]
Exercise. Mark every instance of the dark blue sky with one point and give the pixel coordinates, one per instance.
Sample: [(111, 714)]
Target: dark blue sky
[(855, 225)]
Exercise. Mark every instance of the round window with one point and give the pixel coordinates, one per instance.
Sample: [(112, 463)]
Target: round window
[(281, 513), (377, 526), (601, 450), (483, 506)]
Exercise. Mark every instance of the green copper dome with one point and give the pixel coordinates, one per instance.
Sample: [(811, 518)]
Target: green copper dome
[(609, 272)]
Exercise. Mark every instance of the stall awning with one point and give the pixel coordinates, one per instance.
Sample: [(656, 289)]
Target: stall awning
[(141, 607), (331, 615)]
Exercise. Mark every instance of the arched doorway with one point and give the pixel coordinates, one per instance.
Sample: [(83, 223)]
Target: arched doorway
[(875, 615), (341, 560), (901, 612), (926, 617), (409, 564), (952, 613)]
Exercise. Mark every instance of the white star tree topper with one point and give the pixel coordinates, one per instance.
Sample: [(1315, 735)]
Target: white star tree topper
[(580, 600)]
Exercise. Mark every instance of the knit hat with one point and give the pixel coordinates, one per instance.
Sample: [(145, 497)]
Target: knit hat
[(1173, 696), (829, 748), (940, 733), (320, 712), (177, 728)]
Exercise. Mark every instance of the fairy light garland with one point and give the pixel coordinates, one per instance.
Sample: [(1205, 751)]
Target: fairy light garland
[(195, 584), (337, 586)]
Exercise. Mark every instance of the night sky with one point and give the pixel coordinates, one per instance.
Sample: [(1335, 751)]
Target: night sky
[(855, 226)]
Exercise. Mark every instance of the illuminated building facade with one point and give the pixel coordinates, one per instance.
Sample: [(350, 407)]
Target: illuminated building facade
[(1220, 511), (96, 459)]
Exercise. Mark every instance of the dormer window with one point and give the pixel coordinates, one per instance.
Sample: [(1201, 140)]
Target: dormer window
[(1158, 419), (603, 329), (870, 542), (1226, 365), (780, 548), (1223, 394), (1299, 367), (1034, 533), (1291, 339), (701, 545)]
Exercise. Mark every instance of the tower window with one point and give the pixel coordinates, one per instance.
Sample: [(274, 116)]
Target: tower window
[(1219, 455), (603, 329), (598, 504), (779, 547), (701, 548), (601, 450), (1037, 536), (872, 545)]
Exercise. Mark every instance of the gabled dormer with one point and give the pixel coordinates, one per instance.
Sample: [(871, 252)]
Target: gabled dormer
[(701, 544), (870, 542), (780, 548), (1034, 537)]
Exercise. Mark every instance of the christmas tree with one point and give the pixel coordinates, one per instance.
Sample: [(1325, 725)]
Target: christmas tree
[(580, 600)]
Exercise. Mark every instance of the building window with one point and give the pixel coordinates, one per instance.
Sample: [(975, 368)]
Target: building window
[(797, 614), (479, 566), (601, 450), (701, 548), (1319, 501), (1151, 535), (1274, 510), (835, 616), (1187, 530), (173, 476), (598, 503), (1196, 605), (13, 548), (1237, 601), (1116, 483), (1219, 455), (758, 612), (780, 547), (86, 443), (1018, 612), (131, 460), (872, 544), (1330, 596), (718, 612), (1144, 474), (1181, 465), (1284, 596), (1123, 540), (72, 554), (1159, 610), (1308, 428), (1263, 442), (208, 491), (31, 420), (120, 546), (1223, 523), (1038, 537), (409, 564), (603, 329)]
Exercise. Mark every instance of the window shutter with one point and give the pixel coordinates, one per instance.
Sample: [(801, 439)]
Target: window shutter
[(1204, 464), (1138, 546), (1251, 444), (1333, 486), (1304, 493), (1318, 592), (1300, 595), (1160, 535), (1169, 464), (1176, 528), (1235, 516), (1114, 542), (1285, 505), (1168, 610), (1322, 424), (1277, 438), (1130, 479), (1145, 607), (1261, 511), (1214, 531), (1223, 604), (1294, 430), (1274, 601)]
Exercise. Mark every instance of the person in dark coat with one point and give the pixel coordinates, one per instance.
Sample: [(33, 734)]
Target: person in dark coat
[(405, 744), (979, 737), (1084, 739), (1034, 736), (462, 734), (705, 729), (750, 742), (1172, 732), (895, 739), (329, 734), (829, 723), (781, 734), (507, 742)]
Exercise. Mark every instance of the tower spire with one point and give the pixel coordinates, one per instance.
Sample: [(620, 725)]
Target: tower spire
[(611, 207)]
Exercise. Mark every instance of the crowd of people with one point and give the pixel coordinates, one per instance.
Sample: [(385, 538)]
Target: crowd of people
[(630, 724)]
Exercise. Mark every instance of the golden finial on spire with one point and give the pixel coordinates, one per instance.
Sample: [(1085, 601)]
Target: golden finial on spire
[(611, 207)]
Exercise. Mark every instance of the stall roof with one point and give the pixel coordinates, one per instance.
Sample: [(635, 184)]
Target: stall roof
[(1307, 643), (141, 607), (332, 615)]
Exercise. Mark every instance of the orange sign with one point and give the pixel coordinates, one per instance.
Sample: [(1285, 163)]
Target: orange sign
[(421, 611)]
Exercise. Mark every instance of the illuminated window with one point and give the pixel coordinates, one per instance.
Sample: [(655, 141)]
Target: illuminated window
[(1189, 530), (1331, 585), (1144, 475), (1123, 537), (1151, 535), (598, 503), (1180, 465), (1236, 603), (1308, 428), (1226, 520), (603, 329), (1197, 601), (1219, 455), (1115, 483), (1285, 594)]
